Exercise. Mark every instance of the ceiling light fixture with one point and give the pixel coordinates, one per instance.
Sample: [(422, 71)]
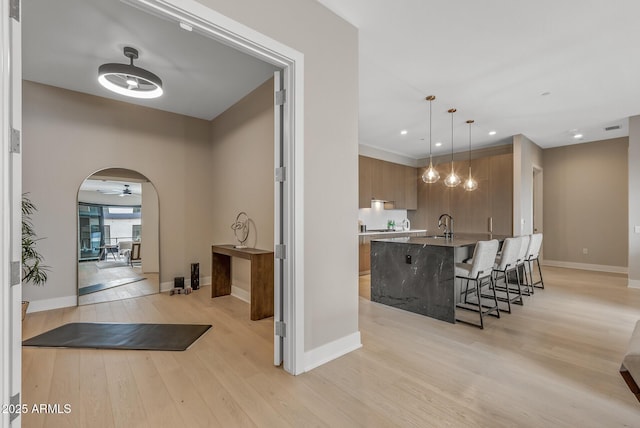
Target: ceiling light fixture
[(470, 184), (452, 179), (492, 132), (577, 136), (403, 132), (129, 80), (431, 175)]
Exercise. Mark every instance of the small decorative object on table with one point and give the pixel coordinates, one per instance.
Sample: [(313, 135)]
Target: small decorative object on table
[(241, 229)]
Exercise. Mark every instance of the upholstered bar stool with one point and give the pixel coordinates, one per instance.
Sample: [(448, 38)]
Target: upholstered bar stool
[(505, 263), (521, 264), (480, 272), (533, 254)]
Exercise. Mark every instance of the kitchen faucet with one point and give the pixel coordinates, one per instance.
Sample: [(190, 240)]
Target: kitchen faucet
[(446, 221)]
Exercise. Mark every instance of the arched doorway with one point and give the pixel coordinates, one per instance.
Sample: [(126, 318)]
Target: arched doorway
[(118, 237)]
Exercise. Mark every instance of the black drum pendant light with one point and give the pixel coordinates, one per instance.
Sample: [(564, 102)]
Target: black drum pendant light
[(129, 80)]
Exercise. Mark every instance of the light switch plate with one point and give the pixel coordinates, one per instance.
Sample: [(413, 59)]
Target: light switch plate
[(636, 229)]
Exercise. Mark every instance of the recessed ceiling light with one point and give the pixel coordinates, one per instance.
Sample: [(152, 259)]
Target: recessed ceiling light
[(492, 132), (438, 144), (403, 132), (577, 136)]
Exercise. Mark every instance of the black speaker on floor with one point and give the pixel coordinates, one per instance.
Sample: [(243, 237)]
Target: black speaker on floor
[(195, 275), (178, 282)]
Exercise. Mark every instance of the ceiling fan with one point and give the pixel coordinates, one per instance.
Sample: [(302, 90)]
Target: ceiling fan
[(126, 191)]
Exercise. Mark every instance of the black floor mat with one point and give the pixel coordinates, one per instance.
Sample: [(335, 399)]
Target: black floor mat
[(154, 337)]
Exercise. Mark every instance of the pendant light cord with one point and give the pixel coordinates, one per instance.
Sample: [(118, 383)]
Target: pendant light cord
[(430, 118), (430, 98), (452, 111), (470, 122)]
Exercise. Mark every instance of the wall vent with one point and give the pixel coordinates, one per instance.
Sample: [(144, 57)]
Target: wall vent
[(612, 128)]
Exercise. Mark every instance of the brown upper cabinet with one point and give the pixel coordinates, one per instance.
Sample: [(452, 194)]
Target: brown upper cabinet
[(387, 181)]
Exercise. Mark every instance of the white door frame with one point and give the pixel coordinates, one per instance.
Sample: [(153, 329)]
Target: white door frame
[(212, 24), (10, 215)]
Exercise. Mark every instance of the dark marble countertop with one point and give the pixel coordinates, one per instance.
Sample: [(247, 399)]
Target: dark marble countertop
[(459, 239)]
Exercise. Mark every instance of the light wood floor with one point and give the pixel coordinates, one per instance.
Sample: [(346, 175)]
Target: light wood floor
[(552, 363), (89, 274)]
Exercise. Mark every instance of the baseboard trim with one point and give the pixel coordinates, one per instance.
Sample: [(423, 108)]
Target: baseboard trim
[(634, 283), (332, 350), (55, 303), (585, 266), (240, 293), (168, 285)]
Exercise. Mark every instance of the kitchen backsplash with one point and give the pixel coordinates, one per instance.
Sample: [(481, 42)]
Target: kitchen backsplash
[(377, 218)]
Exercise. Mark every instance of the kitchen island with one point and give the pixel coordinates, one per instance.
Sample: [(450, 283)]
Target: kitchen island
[(365, 238), (417, 274)]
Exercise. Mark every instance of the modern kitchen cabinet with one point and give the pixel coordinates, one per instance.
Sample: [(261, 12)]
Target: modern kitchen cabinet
[(387, 181), (501, 191), (489, 208), (411, 188)]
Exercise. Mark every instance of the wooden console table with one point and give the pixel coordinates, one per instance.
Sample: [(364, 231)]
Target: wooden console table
[(261, 276)]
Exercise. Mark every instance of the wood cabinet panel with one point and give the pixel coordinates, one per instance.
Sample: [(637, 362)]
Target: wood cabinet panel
[(364, 255), (386, 181), (410, 188), (501, 189), (365, 174), (471, 210)]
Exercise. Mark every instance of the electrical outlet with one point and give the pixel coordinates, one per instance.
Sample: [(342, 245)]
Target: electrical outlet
[(585, 251)]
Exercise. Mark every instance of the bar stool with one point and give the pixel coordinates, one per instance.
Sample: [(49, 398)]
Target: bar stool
[(506, 263), (521, 265), (481, 273), (533, 254)]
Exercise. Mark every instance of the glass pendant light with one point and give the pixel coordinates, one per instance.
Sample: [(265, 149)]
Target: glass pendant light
[(431, 175), (452, 179), (470, 184)]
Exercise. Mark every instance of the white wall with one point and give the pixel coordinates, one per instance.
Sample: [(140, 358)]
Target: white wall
[(330, 48), (526, 155), (634, 201), (150, 246), (242, 171), (68, 136), (171, 154)]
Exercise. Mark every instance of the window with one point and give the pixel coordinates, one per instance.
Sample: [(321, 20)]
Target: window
[(136, 231)]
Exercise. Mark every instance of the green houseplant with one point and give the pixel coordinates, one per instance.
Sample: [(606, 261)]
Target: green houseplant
[(33, 269)]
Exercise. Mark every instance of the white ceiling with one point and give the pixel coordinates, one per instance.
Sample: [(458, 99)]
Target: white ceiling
[(110, 186), (493, 60), (65, 41)]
